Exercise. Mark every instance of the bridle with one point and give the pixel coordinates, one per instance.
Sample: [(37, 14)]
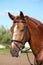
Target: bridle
[(24, 37)]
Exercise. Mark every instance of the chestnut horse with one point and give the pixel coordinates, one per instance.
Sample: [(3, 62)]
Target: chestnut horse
[(27, 29)]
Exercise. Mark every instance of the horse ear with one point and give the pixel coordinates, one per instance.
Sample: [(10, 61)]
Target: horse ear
[(21, 15), (11, 16)]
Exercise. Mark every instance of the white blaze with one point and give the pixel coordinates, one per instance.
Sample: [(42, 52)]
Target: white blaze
[(15, 28)]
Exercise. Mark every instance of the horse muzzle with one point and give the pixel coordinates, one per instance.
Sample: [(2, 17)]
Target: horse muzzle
[(15, 53)]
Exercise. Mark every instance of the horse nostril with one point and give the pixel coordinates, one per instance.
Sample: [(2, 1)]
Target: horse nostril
[(14, 53)]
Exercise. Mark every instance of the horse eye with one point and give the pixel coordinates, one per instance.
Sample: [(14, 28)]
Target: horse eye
[(21, 30), (14, 22)]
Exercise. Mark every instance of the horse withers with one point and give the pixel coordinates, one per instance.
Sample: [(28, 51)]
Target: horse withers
[(27, 29)]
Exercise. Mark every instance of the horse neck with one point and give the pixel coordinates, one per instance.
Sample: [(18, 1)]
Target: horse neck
[(32, 25)]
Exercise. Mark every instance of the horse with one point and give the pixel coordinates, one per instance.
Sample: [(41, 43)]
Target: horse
[(26, 29)]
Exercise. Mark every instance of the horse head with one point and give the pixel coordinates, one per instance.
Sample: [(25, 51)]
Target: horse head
[(19, 32)]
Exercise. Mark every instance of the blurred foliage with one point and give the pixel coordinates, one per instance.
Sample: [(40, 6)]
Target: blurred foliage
[(5, 36)]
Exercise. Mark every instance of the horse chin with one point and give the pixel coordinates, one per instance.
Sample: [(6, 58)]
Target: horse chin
[(15, 55), (19, 53)]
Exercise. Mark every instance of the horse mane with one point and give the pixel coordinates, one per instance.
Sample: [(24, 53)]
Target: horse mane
[(37, 22)]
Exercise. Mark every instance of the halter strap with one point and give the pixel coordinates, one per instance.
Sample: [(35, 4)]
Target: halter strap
[(21, 21), (24, 37), (16, 41)]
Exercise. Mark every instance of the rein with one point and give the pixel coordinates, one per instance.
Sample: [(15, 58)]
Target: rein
[(28, 59)]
